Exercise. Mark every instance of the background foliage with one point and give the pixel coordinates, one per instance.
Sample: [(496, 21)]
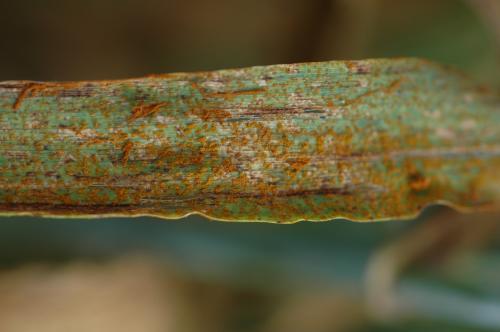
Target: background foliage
[(151, 275)]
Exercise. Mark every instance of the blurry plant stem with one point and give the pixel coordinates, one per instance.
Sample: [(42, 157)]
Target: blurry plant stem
[(354, 33), (347, 22), (440, 238)]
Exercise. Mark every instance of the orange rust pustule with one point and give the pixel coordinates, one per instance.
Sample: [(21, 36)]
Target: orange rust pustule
[(211, 114), (127, 148), (142, 111), (26, 90), (60, 88)]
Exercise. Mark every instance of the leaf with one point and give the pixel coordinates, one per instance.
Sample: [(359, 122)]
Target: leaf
[(363, 140)]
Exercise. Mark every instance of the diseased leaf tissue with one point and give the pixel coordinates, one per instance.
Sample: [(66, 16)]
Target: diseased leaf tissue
[(364, 140)]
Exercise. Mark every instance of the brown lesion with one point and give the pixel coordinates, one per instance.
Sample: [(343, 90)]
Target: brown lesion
[(418, 182), (234, 93), (358, 67), (211, 114), (58, 89), (227, 94), (143, 110), (127, 148), (326, 191), (25, 91), (389, 89), (298, 163)]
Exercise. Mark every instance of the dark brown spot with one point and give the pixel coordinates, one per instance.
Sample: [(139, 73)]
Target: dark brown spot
[(418, 182)]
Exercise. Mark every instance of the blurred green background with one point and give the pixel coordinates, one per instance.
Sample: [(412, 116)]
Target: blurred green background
[(440, 272)]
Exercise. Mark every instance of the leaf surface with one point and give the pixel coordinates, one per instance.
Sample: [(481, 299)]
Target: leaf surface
[(362, 140)]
